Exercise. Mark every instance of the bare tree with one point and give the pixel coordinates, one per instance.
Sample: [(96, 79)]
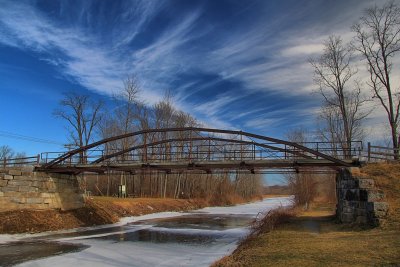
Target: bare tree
[(125, 117), (302, 184), (378, 40), (20, 158), (128, 115), (341, 111), (82, 116), (6, 152), (131, 115), (164, 112)]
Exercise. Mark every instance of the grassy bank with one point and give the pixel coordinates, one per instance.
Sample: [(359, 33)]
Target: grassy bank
[(313, 238), (387, 179), (97, 211)]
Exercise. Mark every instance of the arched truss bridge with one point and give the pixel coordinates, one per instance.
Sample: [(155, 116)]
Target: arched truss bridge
[(202, 149)]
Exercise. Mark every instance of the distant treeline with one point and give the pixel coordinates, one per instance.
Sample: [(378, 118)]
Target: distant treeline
[(87, 119), (222, 188)]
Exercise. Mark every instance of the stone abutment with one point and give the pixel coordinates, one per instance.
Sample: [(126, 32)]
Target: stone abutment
[(358, 201), (25, 189)]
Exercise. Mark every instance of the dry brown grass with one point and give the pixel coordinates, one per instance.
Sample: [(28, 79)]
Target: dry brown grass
[(121, 207), (266, 224), (230, 199), (97, 211), (313, 238), (271, 220), (34, 221), (317, 241), (387, 179)]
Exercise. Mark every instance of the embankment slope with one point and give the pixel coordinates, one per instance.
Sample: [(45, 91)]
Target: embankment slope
[(313, 238), (97, 211)]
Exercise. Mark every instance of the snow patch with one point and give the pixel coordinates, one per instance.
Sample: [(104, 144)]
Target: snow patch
[(109, 252)]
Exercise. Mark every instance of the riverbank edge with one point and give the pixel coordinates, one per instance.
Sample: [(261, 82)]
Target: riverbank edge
[(314, 238), (272, 220), (99, 211)]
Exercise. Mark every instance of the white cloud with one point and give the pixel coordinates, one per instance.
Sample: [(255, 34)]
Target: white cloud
[(216, 122), (214, 106), (88, 63), (303, 50), (264, 58), (262, 123)]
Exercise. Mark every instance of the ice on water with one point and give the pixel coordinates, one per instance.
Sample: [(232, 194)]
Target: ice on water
[(195, 238)]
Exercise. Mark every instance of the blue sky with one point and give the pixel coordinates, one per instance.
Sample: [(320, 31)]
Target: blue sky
[(231, 64)]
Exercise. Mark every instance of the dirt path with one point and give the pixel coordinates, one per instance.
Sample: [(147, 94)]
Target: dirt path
[(314, 239), (312, 221)]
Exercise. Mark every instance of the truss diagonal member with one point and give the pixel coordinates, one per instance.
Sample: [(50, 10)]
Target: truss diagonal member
[(196, 129), (194, 139)]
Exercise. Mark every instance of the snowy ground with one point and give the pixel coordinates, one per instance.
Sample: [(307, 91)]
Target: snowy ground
[(196, 238)]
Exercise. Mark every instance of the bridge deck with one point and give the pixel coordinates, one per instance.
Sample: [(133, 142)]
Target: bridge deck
[(206, 166)]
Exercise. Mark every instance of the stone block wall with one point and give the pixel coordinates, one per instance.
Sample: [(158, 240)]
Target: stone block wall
[(358, 199), (25, 189)]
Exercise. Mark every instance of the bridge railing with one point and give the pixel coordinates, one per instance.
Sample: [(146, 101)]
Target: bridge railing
[(21, 161), (373, 153), (339, 150), (87, 157), (139, 156), (198, 150), (206, 151), (380, 153)]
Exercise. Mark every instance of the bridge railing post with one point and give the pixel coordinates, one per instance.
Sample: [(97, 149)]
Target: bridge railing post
[(285, 151), (241, 146), (369, 151), (145, 147), (209, 149)]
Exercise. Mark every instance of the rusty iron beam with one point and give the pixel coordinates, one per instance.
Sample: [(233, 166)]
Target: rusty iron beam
[(116, 154), (197, 165), (196, 129)]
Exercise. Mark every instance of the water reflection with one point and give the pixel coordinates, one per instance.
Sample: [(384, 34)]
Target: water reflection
[(155, 236), (192, 229), (189, 239), (86, 233), (18, 252), (201, 221)]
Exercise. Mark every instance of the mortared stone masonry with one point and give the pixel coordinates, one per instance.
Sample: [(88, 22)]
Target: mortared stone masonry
[(358, 201), (23, 188)]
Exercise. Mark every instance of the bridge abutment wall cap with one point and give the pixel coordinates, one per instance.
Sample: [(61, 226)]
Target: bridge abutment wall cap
[(355, 171), (15, 172), (344, 174)]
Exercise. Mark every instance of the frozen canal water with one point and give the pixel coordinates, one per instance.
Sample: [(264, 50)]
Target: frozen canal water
[(195, 238)]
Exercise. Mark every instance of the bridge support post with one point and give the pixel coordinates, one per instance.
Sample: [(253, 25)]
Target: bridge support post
[(358, 201)]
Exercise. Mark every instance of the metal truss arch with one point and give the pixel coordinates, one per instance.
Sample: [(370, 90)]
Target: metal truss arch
[(189, 144)]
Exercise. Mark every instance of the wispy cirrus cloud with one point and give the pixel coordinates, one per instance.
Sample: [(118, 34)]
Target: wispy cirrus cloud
[(262, 123), (214, 106), (306, 49), (84, 58), (265, 57), (71, 50)]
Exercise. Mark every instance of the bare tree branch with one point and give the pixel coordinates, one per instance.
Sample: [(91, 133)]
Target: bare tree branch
[(81, 115), (341, 113), (378, 41)]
